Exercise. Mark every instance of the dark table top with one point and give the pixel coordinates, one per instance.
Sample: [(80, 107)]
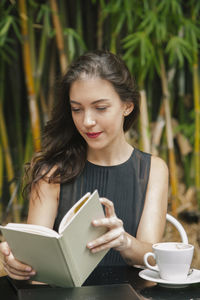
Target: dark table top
[(114, 275)]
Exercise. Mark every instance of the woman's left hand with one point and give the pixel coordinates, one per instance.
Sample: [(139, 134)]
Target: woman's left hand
[(115, 237)]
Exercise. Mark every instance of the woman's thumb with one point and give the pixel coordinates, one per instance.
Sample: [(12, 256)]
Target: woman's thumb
[(4, 248)]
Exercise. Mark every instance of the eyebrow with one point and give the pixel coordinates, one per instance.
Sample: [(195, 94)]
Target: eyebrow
[(94, 102)]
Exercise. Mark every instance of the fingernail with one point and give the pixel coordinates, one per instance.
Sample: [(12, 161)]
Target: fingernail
[(28, 269), (33, 273), (89, 245), (95, 222)]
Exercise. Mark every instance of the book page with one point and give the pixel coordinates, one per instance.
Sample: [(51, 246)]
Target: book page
[(78, 233), (72, 212), (31, 228)]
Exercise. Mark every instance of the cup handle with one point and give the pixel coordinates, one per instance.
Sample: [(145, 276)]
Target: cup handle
[(146, 256)]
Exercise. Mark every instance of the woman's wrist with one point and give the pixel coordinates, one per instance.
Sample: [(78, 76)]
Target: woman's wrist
[(126, 243)]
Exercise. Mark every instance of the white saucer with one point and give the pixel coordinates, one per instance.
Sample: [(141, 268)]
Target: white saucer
[(147, 274)]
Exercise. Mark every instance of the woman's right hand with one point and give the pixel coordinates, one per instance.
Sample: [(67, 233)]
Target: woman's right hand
[(14, 268)]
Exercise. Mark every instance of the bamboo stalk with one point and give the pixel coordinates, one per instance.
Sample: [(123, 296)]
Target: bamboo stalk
[(185, 150), (8, 163), (170, 142), (59, 36), (6, 149), (196, 82), (113, 43), (158, 130), (31, 38), (33, 107), (39, 70), (144, 122), (28, 152)]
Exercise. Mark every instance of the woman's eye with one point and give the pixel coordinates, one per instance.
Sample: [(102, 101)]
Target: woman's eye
[(75, 109), (101, 108)]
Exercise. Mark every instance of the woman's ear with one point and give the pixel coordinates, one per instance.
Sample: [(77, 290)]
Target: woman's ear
[(128, 108)]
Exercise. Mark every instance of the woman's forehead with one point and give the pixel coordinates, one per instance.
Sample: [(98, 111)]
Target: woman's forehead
[(91, 91)]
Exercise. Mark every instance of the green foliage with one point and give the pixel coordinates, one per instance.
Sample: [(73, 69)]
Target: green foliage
[(8, 22), (171, 9), (191, 29), (72, 38), (155, 25), (44, 14), (187, 128), (179, 49), (162, 26), (140, 55)]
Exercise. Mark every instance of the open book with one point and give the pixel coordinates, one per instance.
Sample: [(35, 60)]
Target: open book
[(60, 258)]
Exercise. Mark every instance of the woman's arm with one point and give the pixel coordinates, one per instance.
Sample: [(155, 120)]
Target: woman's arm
[(152, 223), (43, 204), (42, 211)]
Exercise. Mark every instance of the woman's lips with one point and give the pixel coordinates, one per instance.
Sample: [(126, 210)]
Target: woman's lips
[(93, 135)]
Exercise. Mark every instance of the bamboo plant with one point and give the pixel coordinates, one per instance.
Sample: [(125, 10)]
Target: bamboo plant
[(8, 157), (156, 34), (59, 36), (33, 106)]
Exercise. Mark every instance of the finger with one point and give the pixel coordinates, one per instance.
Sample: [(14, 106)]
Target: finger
[(109, 207), (18, 272), (106, 238), (14, 276), (17, 265), (111, 222), (112, 244), (4, 248)]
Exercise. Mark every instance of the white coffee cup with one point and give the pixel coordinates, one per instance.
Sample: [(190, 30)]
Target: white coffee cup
[(173, 260)]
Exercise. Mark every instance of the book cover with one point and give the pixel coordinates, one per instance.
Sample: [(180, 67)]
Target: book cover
[(61, 258)]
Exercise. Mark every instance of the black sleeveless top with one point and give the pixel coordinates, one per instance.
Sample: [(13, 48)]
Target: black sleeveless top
[(124, 184)]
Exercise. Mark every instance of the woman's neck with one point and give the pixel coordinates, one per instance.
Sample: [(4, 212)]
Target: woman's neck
[(110, 157)]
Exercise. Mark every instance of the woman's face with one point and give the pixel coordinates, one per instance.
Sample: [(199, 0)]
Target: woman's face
[(98, 112)]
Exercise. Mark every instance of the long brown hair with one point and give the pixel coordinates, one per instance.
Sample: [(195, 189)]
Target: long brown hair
[(62, 145)]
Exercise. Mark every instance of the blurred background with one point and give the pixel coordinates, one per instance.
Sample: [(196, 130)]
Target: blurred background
[(159, 41)]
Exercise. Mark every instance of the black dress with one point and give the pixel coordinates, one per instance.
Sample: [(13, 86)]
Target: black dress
[(124, 184)]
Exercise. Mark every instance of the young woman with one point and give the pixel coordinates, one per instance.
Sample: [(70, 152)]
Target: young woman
[(84, 148)]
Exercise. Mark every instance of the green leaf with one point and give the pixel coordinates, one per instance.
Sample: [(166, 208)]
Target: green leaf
[(120, 24), (139, 46), (128, 5), (71, 47), (170, 8), (6, 26), (178, 49), (191, 30), (71, 32)]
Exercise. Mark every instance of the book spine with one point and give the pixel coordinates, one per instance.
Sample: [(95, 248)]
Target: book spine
[(68, 257)]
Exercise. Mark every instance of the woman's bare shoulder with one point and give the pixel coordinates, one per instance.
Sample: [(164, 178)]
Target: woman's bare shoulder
[(45, 188), (158, 166)]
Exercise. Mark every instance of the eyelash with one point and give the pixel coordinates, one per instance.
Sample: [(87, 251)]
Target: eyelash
[(76, 110), (101, 108)]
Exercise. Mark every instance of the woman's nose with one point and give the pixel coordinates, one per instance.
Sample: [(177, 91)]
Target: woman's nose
[(89, 120)]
